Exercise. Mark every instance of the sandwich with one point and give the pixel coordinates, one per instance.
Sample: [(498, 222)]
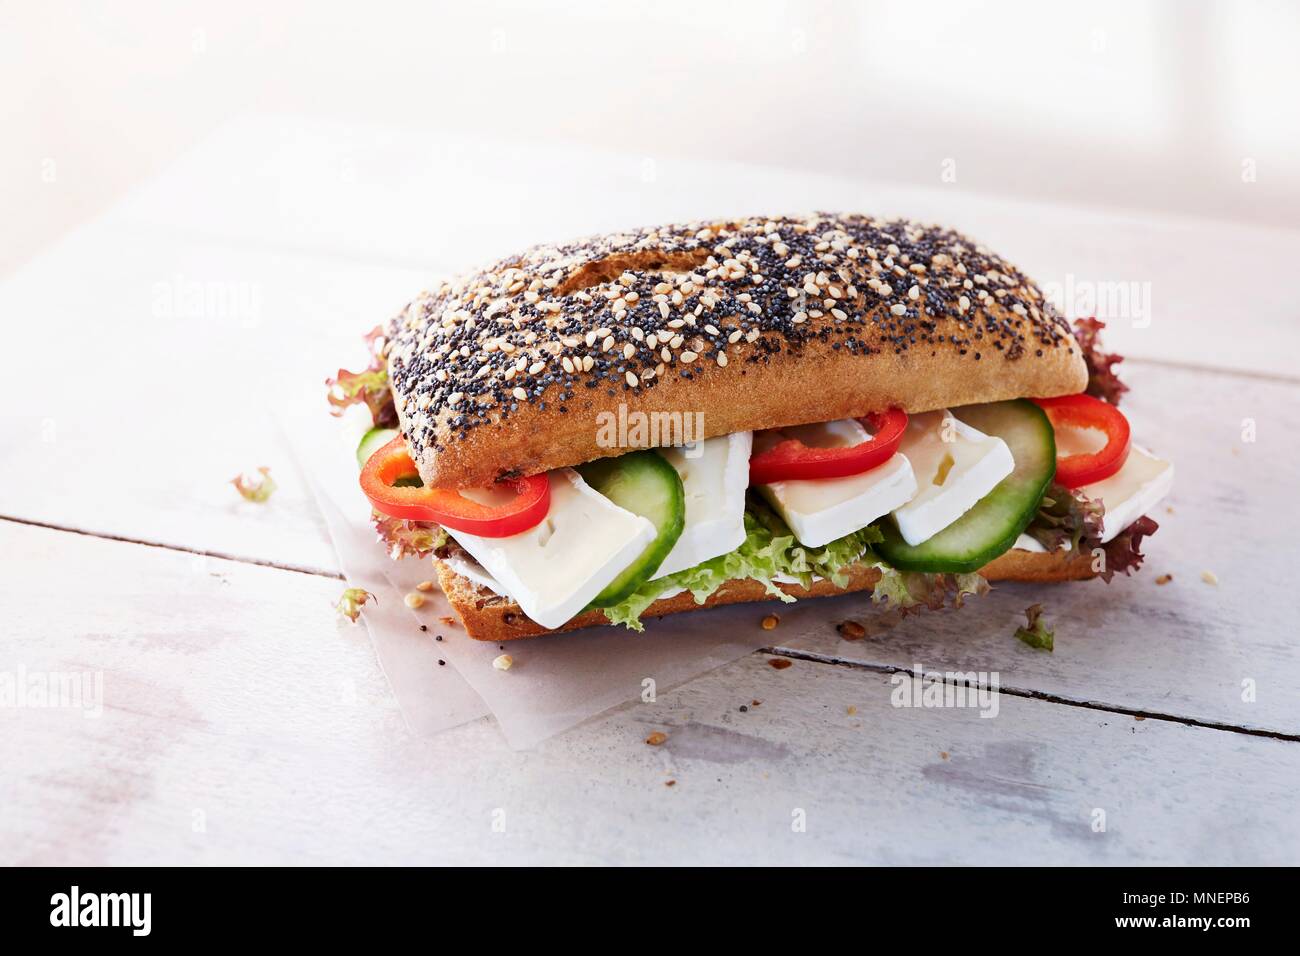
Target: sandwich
[(645, 423)]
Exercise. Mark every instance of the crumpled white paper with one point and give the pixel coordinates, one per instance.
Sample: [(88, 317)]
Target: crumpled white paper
[(554, 682)]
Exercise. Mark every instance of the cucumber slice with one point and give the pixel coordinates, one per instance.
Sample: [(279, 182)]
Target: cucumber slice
[(992, 526), (644, 483), (376, 439), (372, 441)]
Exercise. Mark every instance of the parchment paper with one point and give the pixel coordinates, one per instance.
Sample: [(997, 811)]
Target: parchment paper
[(554, 682)]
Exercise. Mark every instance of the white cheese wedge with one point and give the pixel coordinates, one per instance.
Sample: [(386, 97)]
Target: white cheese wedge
[(553, 570), (470, 569), (715, 474), (1026, 543), (1132, 491), (819, 511), (955, 466)]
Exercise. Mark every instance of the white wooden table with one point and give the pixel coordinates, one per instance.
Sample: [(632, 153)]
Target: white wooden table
[(243, 722)]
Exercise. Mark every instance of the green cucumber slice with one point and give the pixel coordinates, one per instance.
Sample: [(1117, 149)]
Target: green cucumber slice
[(644, 483), (376, 439), (372, 441), (992, 526)]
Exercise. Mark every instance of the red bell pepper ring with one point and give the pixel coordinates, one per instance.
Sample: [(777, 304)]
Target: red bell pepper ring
[(1084, 411), (792, 460), (447, 506)]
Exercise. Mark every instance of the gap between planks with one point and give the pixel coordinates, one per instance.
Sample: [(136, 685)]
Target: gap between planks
[(775, 650), (239, 559), (1028, 693)]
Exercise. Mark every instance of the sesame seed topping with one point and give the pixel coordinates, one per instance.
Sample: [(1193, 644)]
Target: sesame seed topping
[(472, 350)]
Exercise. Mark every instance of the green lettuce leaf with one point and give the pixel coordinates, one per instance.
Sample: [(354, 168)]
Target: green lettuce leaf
[(1066, 516), (768, 551), (368, 387), (912, 590), (771, 551), (1036, 634)]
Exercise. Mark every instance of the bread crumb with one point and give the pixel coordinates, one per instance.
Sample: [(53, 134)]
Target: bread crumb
[(448, 620), (1138, 717), (670, 783), (414, 600), (1209, 577), (770, 622), (1164, 579), (943, 754), (851, 630), (780, 663), (755, 703), (851, 710), (424, 586), (656, 738), (503, 662)]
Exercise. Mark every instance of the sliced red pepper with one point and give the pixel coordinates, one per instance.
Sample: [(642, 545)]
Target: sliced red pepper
[(1084, 411), (792, 460), (447, 506)]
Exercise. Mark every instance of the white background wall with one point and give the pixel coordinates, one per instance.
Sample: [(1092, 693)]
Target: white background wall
[(1190, 107)]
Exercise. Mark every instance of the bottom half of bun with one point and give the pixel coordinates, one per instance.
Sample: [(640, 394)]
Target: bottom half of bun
[(490, 617)]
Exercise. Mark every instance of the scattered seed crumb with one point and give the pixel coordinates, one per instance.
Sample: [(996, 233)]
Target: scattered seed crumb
[(656, 738), (943, 754), (503, 662), (1164, 579), (851, 630), (755, 703), (1209, 577), (414, 600), (851, 710), (424, 586), (780, 663), (425, 627), (441, 662), (437, 637), (770, 622), (670, 783), (744, 709)]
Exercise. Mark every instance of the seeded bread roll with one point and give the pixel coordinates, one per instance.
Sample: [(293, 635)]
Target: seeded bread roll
[(755, 323), (490, 617)]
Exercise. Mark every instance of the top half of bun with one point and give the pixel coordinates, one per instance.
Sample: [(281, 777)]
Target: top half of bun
[(740, 324)]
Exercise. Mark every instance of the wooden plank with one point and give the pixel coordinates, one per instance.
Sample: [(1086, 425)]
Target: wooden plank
[(242, 723), (1223, 652), (447, 200), (153, 365)]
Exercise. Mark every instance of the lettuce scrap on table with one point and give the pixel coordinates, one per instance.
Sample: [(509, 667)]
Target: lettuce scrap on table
[(350, 602), (256, 488), (1036, 633)]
